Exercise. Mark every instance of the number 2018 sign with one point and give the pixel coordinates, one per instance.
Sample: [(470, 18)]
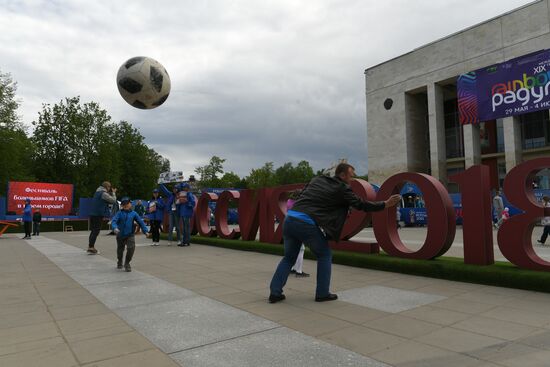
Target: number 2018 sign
[(258, 209)]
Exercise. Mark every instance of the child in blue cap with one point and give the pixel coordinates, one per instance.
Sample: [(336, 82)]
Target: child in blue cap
[(123, 226)]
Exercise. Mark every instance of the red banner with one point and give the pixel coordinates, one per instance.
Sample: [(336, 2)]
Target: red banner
[(52, 199)]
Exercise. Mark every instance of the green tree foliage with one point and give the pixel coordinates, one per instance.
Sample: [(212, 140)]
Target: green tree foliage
[(288, 174), (15, 147), (262, 177), (77, 143), (208, 174)]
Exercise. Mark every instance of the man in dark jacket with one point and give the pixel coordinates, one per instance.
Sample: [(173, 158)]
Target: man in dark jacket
[(36, 220), (103, 197), (317, 217)]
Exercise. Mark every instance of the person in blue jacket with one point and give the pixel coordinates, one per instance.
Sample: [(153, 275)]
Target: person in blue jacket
[(186, 207), (27, 219), (123, 227), (155, 213), (171, 207)]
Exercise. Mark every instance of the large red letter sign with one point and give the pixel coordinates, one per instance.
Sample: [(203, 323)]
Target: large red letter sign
[(441, 218), (476, 206), (514, 236), (203, 214), (222, 205), (357, 221), (249, 214)]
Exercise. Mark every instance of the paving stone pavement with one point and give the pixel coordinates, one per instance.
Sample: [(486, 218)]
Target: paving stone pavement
[(206, 306)]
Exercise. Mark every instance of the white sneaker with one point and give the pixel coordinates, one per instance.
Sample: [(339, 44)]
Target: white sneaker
[(157, 244), (153, 244)]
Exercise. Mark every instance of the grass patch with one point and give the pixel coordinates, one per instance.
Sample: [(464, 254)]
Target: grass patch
[(501, 274)]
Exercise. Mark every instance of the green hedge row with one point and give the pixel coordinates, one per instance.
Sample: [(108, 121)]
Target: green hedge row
[(502, 274)]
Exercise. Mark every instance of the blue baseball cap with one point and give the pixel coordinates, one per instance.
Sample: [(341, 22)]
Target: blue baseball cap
[(156, 190), (125, 200)]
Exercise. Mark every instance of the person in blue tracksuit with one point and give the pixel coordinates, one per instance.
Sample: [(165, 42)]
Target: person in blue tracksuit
[(27, 219), (155, 214), (123, 227), (171, 207), (186, 207)]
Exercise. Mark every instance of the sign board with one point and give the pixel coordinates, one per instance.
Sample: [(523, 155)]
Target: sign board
[(168, 177), (514, 87), (52, 199)]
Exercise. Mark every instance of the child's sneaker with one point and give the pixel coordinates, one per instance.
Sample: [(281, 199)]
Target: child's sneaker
[(127, 268)]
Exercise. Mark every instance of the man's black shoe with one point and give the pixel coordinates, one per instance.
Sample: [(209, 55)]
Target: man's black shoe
[(330, 297), (273, 298)]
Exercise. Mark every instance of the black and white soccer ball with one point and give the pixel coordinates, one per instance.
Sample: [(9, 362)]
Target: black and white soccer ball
[(143, 82)]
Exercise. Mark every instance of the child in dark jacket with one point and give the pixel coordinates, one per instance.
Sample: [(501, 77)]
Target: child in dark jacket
[(123, 226), (36, 220), (155, 214)]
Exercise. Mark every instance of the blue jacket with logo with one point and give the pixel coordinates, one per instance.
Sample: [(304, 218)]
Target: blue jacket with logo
[(158, 214), (169, 200), (27, 213), (124, 222), (186, 209)]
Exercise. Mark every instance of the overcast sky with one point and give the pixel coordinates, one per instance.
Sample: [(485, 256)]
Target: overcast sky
[(252, 81)]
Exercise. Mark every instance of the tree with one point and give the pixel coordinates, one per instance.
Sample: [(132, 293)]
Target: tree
[(208, 174), (77, 143), (230, 180), (262, 177), (9, 119), (15, 146), (288, 174)]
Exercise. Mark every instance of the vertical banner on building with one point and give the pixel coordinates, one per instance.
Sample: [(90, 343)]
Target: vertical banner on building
[(510, 88), (52, 199)]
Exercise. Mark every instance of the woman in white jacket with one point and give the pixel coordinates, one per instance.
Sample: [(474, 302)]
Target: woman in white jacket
[(545, 221)]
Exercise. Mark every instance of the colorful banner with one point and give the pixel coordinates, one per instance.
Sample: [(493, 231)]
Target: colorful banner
[(51, 199), (169, 177), (511, 88)]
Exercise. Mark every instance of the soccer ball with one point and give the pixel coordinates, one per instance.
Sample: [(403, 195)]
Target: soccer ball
[(143, 82)]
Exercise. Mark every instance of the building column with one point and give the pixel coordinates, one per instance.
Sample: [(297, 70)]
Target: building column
[(512, 141), (438, 155), (472, 145)]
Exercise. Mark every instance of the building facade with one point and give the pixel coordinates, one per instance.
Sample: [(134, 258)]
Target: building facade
[(412, 108)]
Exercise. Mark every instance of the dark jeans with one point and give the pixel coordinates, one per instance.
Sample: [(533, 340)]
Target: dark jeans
[(174, 223), (27, 226), (130, 244), (95, 227), (36, 228), (155, 230), (186, 230), (296, 232), (545, 234)]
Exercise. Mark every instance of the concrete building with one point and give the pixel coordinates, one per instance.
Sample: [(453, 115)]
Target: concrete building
[(412, 114)]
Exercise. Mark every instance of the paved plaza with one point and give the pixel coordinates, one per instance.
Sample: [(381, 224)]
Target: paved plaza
[(207, 306)]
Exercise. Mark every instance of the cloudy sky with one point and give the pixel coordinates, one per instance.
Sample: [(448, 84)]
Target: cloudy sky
[(252, 81)]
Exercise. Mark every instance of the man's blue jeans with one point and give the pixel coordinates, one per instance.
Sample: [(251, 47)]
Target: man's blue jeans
[(174, 222), (296, 232), (186, 231)]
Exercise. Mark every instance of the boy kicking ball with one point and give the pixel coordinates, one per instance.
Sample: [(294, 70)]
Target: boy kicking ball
[(123, 226)]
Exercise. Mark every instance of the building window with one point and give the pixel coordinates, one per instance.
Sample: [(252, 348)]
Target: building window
[(454, 136), (535, 130), (500, 136), (501, 167)]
